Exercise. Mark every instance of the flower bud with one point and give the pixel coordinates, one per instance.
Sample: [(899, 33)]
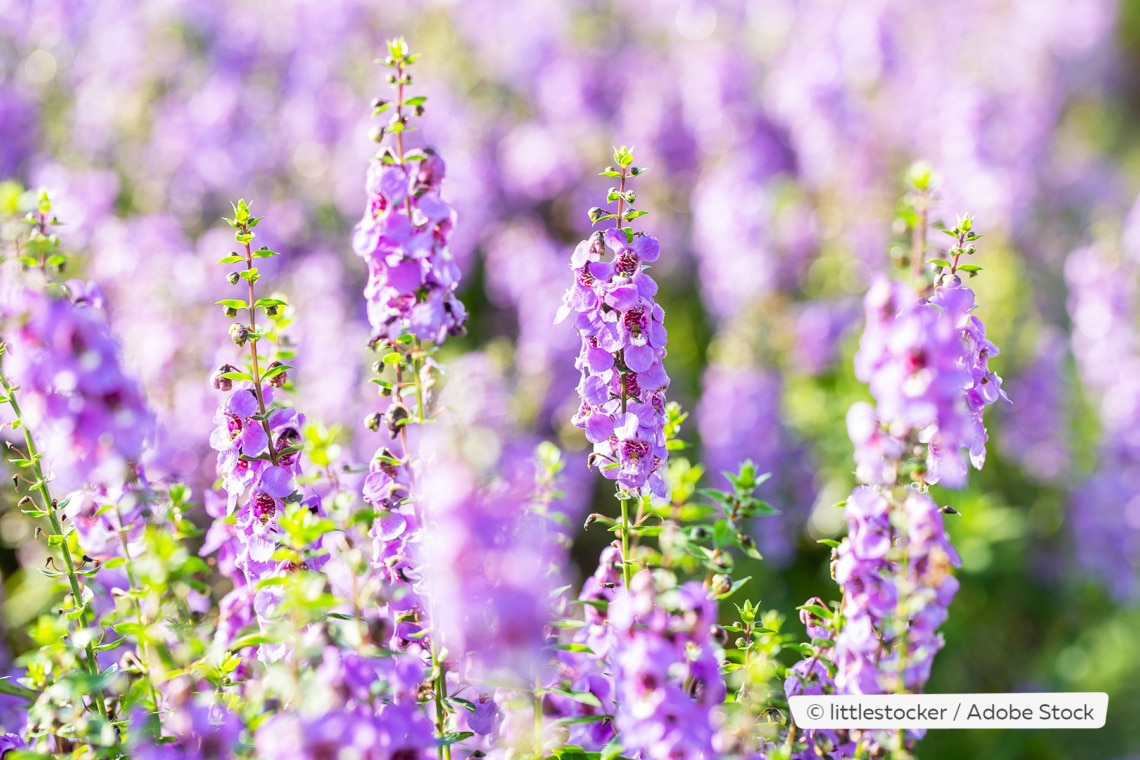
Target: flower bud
[(598, 244), (373, 421), (239, 334), (232, 278), (272, 311), (220, 382), (278, 380), (229, 311), (397, 416), (721, 583)]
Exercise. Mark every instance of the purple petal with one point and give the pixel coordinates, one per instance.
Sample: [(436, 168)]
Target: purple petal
[(639, 358), (242, 403)]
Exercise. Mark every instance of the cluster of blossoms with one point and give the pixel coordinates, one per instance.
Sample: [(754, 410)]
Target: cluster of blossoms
[(342, 717), (485, 565), (395, 535), (1105, 507), (258, 462), (667, 670), (926, 362), (74, 385), (258, 459), (623, 348), (890, 570), (412, 276)]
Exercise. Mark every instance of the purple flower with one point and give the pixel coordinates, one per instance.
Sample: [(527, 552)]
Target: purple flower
[(10, 742), (74, 386), (927, 364), (623, 379), (403, 237), (667, 676), (485, 565)]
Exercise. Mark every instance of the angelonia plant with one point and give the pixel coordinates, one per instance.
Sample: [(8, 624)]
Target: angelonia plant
[(421, 604)]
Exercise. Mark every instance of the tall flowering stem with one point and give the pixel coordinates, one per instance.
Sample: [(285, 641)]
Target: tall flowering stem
[(925, 358), (412, 307), (623, 379), (50, 508), (258, 444)]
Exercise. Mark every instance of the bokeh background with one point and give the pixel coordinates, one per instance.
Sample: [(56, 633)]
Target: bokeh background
[(777, 134)]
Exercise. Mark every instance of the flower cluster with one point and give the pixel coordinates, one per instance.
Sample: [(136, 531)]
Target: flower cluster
[(927, 364), (487, 598), (412, 277), (75, 387), (403, 235), (623, 383), (667, 670), (896, 582), (341, 717), (909, 358)]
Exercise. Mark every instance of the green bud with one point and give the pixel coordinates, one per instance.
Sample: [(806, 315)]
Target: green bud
[(373, 421), (232, 278), (230, 312)]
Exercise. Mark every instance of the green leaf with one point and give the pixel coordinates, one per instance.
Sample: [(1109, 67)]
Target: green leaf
[(233, 303), (262, 303), (264, 253), (574, 648), (275, 371), (250, 275), (939, 262), (971, 268), (418, 100), (580, 719), (817, 610), (453, 737), (233, 258), (237, 375)]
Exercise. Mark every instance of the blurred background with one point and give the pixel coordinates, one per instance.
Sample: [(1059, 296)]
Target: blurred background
[(777, 134)]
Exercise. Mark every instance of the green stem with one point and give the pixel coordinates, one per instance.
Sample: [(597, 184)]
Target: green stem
[(253, 357), (141, 638), (49, 507), (626, 568)]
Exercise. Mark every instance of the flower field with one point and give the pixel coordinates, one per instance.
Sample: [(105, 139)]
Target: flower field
[(564, 380)]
